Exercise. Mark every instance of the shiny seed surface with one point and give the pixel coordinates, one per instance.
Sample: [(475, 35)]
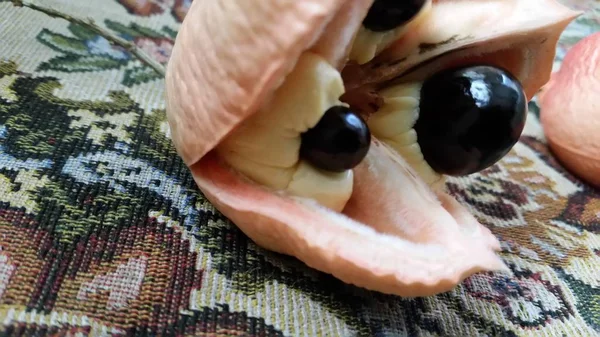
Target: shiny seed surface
[(339, 142), (469, 118), (385, 15)]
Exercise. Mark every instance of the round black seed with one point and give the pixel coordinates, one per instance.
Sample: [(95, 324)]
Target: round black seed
[(339, 142), (470, 117), (386, 15)]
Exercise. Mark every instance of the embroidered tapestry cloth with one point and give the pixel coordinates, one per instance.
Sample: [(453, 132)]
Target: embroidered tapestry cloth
[(104, 233)]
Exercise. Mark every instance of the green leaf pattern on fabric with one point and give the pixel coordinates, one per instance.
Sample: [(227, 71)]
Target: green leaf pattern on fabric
[(103, 230), (87, 51)]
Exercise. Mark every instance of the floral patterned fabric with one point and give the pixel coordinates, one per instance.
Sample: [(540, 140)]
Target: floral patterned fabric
[(104, 233)]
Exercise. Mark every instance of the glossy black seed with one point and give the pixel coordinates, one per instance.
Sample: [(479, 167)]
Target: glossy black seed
[(339, 142), (386, 15), (470, 117)]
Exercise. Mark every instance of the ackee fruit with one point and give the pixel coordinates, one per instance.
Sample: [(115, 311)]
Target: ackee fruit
[(258, 94), (570, 112)]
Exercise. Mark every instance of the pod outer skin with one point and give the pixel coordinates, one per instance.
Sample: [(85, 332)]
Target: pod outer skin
[(229, 56), (570, 110)]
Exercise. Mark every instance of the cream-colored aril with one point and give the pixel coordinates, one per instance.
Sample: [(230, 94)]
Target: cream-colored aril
[(265, 148), (394, 124), (368, 44)]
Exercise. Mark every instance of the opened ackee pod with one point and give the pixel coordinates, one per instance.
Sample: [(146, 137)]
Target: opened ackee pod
[(324, 128)]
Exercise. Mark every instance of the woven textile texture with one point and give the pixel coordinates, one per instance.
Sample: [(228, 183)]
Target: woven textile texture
[(104, 233)]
